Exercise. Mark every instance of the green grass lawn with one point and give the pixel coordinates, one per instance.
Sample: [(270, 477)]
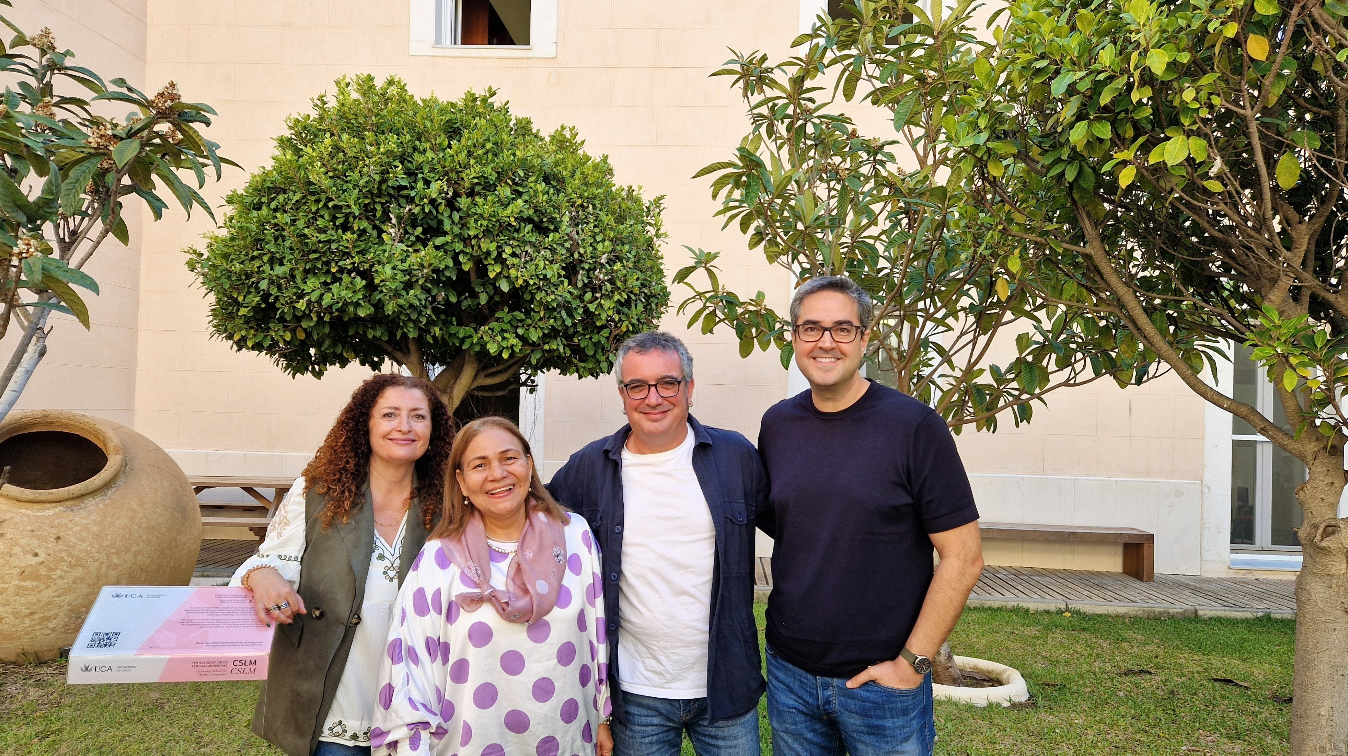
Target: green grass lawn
[(1088, 695)]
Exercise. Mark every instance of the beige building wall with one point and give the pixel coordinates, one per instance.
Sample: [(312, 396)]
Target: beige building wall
[(93, 371), (632, 77)]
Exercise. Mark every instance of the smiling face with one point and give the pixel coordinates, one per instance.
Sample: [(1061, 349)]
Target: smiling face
[(400, 425), (826, 364), (656, 420), (495, 475)]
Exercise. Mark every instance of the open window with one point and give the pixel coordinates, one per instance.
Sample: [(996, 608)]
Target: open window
[(495, 23), (484, 28)]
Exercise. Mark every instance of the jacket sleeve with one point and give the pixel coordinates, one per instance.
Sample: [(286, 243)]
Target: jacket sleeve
[(410, 717), (283, 546), (764, 516)]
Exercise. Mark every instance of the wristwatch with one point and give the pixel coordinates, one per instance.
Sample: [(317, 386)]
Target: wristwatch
[(921, 664)]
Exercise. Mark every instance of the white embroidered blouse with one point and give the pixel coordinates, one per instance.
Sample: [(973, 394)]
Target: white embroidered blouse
[(352, 710)]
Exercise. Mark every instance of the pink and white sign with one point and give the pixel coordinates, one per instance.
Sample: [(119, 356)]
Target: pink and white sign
[(170, 634)]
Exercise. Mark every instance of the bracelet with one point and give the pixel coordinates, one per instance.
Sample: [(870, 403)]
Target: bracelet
[(243, 581)]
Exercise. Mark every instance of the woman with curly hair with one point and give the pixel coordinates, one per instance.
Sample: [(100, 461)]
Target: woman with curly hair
[(336, 552)]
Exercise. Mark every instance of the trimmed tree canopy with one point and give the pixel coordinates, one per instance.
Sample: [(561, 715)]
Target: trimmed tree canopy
[(445, 235)]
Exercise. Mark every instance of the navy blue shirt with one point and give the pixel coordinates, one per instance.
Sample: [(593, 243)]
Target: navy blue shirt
[(732, 480), (854, 494)]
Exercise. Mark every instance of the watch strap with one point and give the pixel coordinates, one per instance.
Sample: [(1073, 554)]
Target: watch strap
[(912, 658)]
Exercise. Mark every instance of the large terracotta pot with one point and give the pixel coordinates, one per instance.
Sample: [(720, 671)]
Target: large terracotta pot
[(87, 503)]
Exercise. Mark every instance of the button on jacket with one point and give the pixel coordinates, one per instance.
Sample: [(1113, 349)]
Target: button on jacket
[(736, 488)]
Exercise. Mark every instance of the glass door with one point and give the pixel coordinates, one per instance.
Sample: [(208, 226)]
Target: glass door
[(1264, 478)]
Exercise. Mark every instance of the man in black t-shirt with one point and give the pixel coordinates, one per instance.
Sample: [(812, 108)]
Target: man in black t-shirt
[(864, 482)]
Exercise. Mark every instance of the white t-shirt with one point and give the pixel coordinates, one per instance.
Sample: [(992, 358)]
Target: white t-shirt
[(669, 550)]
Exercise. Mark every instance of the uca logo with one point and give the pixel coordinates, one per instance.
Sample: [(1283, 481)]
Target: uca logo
[(96, 668), (128, 595)]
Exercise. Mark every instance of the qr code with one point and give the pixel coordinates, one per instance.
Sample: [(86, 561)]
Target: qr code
[(103, 640)]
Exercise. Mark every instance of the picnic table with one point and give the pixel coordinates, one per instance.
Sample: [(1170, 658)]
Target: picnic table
[(255, 515)]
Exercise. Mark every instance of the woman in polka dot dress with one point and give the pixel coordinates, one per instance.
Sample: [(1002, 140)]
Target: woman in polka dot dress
[(499, 644)]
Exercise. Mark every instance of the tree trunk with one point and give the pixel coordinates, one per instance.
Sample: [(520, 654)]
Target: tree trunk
[(1320, 677), (30, 350), (944, 671)]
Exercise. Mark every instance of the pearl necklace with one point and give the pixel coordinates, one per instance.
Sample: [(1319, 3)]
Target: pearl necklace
[(500, 550)]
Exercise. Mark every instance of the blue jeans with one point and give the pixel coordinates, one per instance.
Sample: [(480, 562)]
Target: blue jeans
[(821, 716), (655, 727), (329, 748)]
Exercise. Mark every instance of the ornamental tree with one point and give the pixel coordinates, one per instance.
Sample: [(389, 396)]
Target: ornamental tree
[(66, 175), (956, 324), (1184, 164), (450, 237)]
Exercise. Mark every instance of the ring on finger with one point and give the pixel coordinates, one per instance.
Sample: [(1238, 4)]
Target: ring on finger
[(274, 608), (283, 605)]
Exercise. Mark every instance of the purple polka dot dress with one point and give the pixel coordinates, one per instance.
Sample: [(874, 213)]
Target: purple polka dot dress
[(459, 683)]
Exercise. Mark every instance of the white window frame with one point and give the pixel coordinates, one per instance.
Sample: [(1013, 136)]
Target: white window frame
[(1265, 397), (542, 33)]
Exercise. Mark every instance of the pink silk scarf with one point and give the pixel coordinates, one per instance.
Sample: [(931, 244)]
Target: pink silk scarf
[(533, 578)]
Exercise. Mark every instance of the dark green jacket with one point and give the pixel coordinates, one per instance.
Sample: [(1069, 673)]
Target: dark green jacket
[(308, 655)]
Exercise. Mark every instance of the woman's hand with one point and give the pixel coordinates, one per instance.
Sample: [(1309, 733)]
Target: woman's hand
[(271, 590), (603, 742)]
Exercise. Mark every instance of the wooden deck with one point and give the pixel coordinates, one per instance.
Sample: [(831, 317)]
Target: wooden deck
[(1117, 593), (219, 557)]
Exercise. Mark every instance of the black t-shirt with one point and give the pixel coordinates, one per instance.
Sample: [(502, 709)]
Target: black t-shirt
[(854, 494)]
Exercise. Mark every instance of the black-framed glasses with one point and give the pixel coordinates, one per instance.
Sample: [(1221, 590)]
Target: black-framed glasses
[(842, 333), (665, 387)]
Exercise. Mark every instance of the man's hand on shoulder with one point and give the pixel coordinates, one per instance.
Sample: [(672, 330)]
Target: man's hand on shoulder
[(891, 674)]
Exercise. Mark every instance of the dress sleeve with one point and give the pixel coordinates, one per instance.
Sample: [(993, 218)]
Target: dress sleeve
[(283, 547), (413, 714), (593, 566)]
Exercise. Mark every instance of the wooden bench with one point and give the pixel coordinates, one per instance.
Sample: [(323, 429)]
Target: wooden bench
[(1139, 546), (255, 515)]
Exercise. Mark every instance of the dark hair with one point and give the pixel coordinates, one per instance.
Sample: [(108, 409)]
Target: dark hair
[(841, 284), (654, 341), (342, 464), (458, 508)]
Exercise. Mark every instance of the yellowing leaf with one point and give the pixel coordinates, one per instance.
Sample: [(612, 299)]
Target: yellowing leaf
[(1212, 186), (1126, 176), (996, 168), (1156, 60), (1289, 171), (1266, 7), (1176, 150), (1003, 289), (1289, 379), (1198, 148), (1257, 47)]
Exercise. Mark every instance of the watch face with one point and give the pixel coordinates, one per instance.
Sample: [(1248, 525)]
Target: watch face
[(922, 664)]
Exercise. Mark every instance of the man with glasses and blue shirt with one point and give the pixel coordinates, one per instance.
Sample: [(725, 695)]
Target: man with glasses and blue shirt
[(864, 482), (673, 504)]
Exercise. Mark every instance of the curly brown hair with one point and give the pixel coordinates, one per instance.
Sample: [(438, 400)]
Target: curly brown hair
[(458, 508), (342, 465)]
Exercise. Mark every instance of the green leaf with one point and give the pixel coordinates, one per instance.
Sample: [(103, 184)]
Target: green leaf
[(904, 110), (1100, 129), (1060, 84), (1266, 7), (120, 233), (1289, 171), (1213, 186), (1257, 46), (1157, 153), (1289, 379), (746, 346), (69, 298), (55, 267), (124, 151), (1176, 150), (1078, 132), (72, 189)]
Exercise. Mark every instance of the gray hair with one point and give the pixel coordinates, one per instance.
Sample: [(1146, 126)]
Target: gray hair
[(841, 284), (654, 341)]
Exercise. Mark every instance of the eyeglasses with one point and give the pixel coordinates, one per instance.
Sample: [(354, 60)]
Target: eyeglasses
[(665, 387), (843, 333)]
